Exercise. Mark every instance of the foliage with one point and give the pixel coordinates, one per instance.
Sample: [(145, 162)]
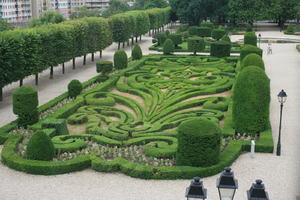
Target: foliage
[(226, 38), (253, 59), (161, 38), (198, 143), (196, 44), (290, 29), (136, 53), (247, 49), (40, 147), (74, 88), (104, 66), (4, 25), (207, 24), (83, 11), (25, 102), (220, 49), (168, 47), (201, 31), (115, 6), (120, 59), (218, 33), (250, 38), (251, 100), (176, 38), (148, 4), (49, 17)]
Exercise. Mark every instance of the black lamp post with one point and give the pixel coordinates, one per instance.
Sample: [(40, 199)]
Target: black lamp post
[(259, 37), (257, 191), (282, 96), (227, 185), (196, 190)]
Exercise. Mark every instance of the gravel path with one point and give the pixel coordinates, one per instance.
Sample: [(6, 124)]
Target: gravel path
[(280, 174)]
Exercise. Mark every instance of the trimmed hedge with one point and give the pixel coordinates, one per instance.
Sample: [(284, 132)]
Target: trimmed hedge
[(120, 59), (136, 52), (247, 49), (176, 38), (220, 49), (40, 147), (218, 33), (168, 47), (253, 60), (200, 31), (250, 38), (196, 44), (161, 38), (198, 143), (25, 102), (74, 88), (103, 66), (226, 38), (251, 101)]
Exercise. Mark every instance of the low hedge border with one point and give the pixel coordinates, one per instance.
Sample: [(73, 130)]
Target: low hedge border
[(206, 50)]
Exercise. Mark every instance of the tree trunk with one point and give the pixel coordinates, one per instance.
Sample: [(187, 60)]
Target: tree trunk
[(119, 45), (36, 79), (93, 57), (195, 53), (123, 45), (84, 59), (128, 42), (132, 41), (51, 72), (140, 37), (74, 63), (1, 93), (136, 39), (21, 82), (63, 68), (100, 53), (149, 32)]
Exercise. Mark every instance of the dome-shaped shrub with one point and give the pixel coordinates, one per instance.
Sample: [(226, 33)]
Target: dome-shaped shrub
[(168, 47), (25, 102), (250, 38), (247, 49), (136, 52), (198, 143), (253, 59), (40, 147), (74, 88), (251, 100), (120, 59)]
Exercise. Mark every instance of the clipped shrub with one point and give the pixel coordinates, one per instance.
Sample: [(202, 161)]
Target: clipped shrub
[(25, 102), (220, 49), (198, 143), (218, 33), (207, 24), (168, 47), (251, 100), (250, 38), (136, 53), (247, 49), (193, 30), (161, 38), (196, 44), (59, 125), (249, 28), (253, 59), (120, 59), (204, 31), (176, 38), (74, 88), (290, 29), (226, 38), (167, 33), (40, 147), (104, 66)]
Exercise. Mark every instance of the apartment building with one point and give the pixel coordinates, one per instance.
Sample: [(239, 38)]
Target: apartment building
[(97, 4), (15, 11)]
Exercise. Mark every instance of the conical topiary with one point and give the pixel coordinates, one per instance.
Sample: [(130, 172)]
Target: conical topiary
[(136, 53), (168, 47), (40, 147)]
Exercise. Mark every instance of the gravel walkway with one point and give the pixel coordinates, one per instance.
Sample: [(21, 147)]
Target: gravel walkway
[(280, 174)]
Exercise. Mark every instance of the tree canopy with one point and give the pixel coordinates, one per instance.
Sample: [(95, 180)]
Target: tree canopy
[(49, 17)]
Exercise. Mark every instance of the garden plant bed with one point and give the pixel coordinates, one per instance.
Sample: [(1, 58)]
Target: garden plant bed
[(130, 120)]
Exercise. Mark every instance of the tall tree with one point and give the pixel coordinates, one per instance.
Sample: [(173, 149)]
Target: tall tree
[(115, 7), (49, 17), (147, 4), (83, 11)]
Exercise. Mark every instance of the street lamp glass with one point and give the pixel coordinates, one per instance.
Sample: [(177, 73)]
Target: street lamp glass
[(282, 96), (226, 193), (227, 184)]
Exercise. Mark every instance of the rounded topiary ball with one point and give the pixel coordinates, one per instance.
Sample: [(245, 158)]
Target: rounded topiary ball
[(168, 47), (136, 53), (247, 49), (120, 59), (198, 143), (253, 59), (250, 38), (40, 147), (25, 103), (74, 88)]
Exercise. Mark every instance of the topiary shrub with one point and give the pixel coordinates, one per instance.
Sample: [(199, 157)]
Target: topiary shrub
[(247, 49), (198, 143), (251, 100), (168, 47), (176, 38), (161, 38), (250, 38), (104, 66), (167, 33), (74, 88), (196, 44), (120, 59), (253, 59), (193, 30), (226, 38), (25, 102), (207, 24), (290, 29), (40, 147), (218, 33), (220, 49), (204, 31), (136, 52)]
